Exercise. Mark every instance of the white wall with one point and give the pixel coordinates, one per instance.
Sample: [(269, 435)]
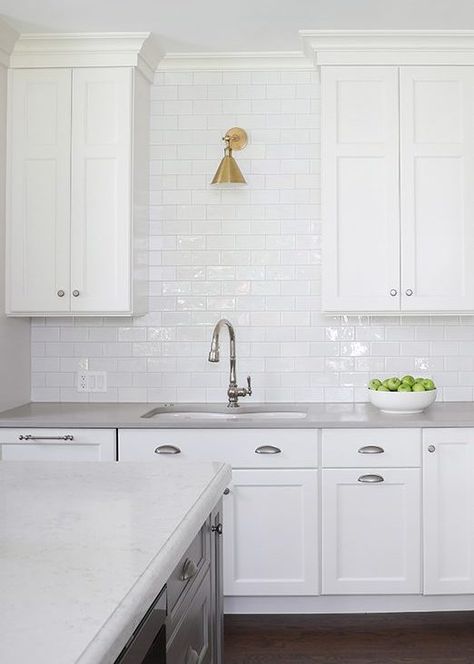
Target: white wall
[(15, 364), (250, 254)]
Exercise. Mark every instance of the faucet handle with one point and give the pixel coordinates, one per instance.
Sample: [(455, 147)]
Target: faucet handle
[(249, 386)]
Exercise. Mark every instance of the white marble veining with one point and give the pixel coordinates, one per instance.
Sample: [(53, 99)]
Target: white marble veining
[(317, 416), (85, 548)]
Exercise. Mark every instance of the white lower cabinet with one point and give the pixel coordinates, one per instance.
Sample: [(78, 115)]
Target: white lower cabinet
[(271, 526), (371, 531), (448, 474), (57, 445)]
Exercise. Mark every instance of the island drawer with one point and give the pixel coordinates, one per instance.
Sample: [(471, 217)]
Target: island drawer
[(242, 448), (188, 573), (377, 448)]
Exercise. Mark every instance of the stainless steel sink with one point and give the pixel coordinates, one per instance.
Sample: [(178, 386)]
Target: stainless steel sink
[(199, 413)]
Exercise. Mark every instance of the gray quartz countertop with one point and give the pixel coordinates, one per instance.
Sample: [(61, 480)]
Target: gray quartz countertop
[(218, 416)]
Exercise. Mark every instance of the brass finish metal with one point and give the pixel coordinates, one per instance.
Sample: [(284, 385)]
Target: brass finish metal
[(237, 137), (228, 170)]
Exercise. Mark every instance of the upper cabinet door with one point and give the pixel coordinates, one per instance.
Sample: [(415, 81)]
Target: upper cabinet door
[(101, 190), (437, 192), (360, 187), (38, 191)]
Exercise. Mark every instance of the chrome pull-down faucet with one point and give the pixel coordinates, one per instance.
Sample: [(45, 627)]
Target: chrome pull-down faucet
[(233, 391)]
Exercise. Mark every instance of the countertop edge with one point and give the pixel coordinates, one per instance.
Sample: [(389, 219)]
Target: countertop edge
[(114, 634)]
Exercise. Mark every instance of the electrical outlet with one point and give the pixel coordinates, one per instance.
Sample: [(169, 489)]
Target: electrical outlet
[(92, 381)]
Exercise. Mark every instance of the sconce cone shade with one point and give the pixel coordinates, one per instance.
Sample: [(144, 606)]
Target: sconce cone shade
[(228, 171)]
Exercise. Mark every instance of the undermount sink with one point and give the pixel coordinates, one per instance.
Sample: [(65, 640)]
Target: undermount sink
[(169, 412)]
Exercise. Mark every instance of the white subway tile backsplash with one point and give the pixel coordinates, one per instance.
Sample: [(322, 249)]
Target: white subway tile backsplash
[(252, 254)]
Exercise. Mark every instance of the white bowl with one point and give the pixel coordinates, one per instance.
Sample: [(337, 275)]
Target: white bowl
[(402, 402)]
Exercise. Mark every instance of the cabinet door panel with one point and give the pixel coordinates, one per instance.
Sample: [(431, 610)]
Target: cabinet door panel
[(271, 523), (448, 511), (371, 532), (360, 188), (437, 200), (38, 190), (101, 190)]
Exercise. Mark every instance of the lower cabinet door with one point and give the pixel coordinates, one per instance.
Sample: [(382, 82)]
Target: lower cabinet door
[(371, 523), (448, 487), (270, 537), (192, 640)]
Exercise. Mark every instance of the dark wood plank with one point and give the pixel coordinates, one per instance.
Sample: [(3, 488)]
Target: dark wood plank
[(403, 638)]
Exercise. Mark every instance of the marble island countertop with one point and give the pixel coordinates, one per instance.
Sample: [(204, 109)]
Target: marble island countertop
[(314, 415), (86, 547)]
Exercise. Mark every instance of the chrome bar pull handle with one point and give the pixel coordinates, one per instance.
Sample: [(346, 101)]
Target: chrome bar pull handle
[(370, 479), (167, 449), (371, 449), (268, 449), (29, 436)]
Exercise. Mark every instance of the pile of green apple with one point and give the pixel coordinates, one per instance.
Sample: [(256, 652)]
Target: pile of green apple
[(405, 384)]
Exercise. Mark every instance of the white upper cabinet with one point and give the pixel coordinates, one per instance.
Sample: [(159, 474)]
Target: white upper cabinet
[(39, 190), (77, 181), (398, 200), (437, 193), (360, 188), (101, 232)]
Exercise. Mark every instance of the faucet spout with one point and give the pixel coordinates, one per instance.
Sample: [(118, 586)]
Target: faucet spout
[(234, 392)]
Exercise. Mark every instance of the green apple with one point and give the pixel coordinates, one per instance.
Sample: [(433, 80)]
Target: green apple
[(408, 380), (419, 380), (374, 384), (404, 387), (418, 387), (393, 384), (428, 384), (383, 388), (385, 382)]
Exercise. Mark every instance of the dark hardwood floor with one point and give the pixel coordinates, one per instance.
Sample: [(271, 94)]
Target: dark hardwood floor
[(404, 638)]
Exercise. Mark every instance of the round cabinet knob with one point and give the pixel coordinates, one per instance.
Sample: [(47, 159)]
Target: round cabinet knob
[(75, 293), (409, 292), (393, 292), (431, 448), (60, 293)]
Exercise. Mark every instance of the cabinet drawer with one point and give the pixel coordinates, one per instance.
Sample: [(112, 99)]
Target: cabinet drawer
[(187, 574), (57, 444), (244, 448), (191, 641), (377, 448)]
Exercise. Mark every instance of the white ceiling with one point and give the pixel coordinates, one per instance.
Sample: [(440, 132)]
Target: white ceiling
[(246, 25)]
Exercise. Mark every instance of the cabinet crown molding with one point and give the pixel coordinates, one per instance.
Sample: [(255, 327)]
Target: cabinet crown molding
[(8, 37), (228, 60), (107, 49), (389, 47)]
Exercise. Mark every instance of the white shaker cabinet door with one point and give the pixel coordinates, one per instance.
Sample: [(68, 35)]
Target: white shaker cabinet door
[(448, 511), (38, 190), (360, 189), (270, 540), (101, 190), (437, 192), (371, 531)]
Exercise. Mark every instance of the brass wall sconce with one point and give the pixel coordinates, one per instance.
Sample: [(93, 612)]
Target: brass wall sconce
[(228, 171)]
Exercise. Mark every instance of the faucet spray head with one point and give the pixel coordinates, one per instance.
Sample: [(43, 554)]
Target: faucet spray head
[(214, 355)]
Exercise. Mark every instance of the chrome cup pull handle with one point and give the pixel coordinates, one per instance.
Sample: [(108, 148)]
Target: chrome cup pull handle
[(370, 479), (268, 449), (167, 449), (188, 570), (371, 449)]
